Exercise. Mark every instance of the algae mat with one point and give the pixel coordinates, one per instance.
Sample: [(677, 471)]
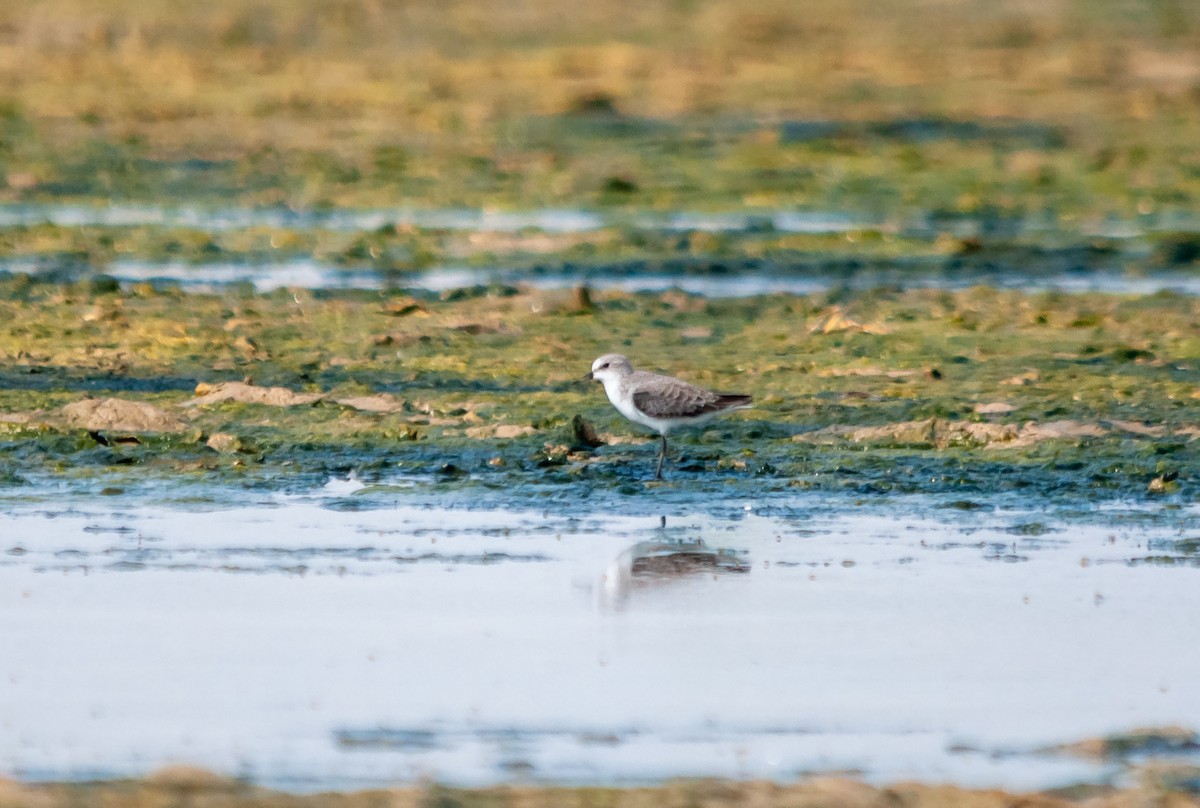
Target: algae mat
[(973, 394)]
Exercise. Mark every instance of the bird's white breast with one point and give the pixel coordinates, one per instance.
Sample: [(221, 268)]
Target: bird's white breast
[(622, 399), (621, 396)]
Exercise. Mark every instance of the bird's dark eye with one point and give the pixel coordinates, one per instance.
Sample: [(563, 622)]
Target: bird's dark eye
[(602, 367)]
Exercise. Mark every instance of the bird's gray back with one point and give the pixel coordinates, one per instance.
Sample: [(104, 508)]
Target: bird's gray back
[(667, 397)]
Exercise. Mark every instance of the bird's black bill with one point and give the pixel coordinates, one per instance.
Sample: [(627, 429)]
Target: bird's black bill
[(587, 377)]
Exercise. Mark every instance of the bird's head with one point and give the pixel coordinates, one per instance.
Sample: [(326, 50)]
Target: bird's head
[(610, 366)]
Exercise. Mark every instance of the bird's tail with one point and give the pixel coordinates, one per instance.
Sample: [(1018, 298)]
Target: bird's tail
[(733, 402)]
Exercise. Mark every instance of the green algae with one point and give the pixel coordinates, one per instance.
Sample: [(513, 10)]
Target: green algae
[(480, 392)]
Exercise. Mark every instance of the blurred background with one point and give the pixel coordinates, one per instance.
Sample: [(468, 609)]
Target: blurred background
[(1082, 108)]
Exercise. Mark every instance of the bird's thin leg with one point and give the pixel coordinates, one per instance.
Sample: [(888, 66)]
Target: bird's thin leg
[(662, 455)]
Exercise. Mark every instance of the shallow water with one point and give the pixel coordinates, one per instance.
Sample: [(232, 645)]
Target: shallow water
[(580, 220), (365, 635), (749, 285), (308, 273), (301, 273), (1052, 266), (551, 220)]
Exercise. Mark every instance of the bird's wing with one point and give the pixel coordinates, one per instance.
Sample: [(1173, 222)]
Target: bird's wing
[(664, 397)]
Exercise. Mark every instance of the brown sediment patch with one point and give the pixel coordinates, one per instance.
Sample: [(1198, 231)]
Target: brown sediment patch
[(941, 434), (616, 440), (196, 787), (403, 307), (1064, 429), (501, 431), (119, 415), (1023, 379), (250, 394), (870, 371), (224, 442), (536, 243), (1139, 428), (183, 777), (19, 795), (930, 432), (1142, 741), (475, 329), (383, 402), (836, 322)]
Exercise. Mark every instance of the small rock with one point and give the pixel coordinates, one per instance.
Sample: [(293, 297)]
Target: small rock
[(1163, 483), (1023, 379), (583, 299), (224, 443), (584, 433), (552, 455)]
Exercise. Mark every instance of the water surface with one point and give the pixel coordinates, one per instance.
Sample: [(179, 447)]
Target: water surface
[(367, 635), (312, 273)]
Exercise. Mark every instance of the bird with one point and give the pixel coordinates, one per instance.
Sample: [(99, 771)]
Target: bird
[(661, 403)]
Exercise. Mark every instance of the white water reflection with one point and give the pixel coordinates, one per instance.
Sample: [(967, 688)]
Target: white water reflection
[(579, 220), (749, 285), (305, 644), (550, 220), (300, 273), (308, 273)]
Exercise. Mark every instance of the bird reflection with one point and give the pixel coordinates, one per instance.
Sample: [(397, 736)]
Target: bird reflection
[(657, 562)]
